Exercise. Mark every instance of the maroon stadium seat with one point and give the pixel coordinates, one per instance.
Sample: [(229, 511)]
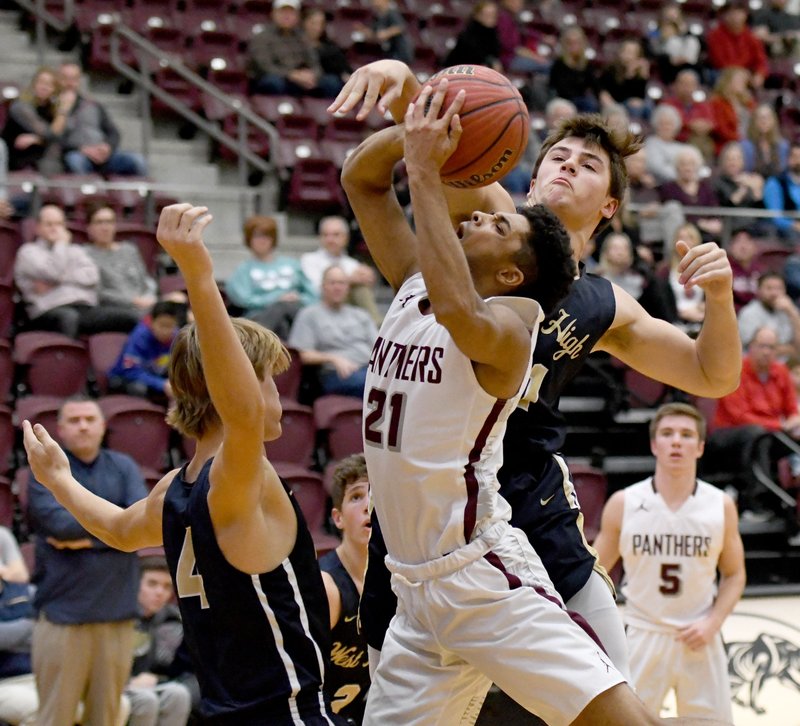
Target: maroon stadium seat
[(138, 428), (52, 364), (104, 349)]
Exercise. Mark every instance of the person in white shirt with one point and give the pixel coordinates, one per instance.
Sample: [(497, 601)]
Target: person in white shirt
[(334, 237)]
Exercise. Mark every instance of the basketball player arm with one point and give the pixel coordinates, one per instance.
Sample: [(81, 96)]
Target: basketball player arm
[(242, 486), (494, 336), (731, 584), (607, 541), (334, 598), (129, 529), (708, 366), (367, 177)]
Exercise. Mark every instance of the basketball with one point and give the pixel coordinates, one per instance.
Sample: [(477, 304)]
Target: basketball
[(495, 125)]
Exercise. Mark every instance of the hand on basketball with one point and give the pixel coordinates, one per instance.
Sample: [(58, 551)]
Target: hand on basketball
[(698, 635), (46, 458), (430, 138), (180, 233), (705, 266), (384, 82)]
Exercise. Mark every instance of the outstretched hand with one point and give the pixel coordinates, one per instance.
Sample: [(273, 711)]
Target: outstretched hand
[(46, 458), (431, 138), (705, 266), (382, 82), (180, 233)]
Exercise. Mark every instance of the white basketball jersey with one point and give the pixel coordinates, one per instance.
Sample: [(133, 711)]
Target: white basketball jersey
[(432, 436), (670, 558)]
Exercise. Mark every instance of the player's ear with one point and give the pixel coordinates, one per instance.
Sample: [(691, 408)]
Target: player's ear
[(701, 448), (336, 516), (510, 276), (610, 207)]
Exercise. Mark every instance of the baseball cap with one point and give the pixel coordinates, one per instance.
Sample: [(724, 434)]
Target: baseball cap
[(286, 4)]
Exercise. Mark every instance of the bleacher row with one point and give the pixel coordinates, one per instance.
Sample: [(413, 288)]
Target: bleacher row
[(38, 370)]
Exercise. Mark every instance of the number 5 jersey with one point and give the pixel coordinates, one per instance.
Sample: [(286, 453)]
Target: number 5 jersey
[(670, 558)]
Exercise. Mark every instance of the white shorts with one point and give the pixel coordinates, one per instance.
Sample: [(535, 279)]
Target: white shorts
[(660, 662), (484, 613)]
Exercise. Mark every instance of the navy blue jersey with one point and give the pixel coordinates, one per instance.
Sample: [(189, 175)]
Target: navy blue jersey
[(258, 642), (347, 676), (566, 338), (534, 481)]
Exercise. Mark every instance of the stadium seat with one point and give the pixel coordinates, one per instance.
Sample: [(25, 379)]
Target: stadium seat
[(7, 439), (144, 237), (168, 284), (137, 427), (274, 107), (7, 504), (314, 187), (340, 418), (336, 151), (290, 151), (591, 487), (10, 242), (773, 257), (250, 18), (145, 15), (178, 88), (38, 409), (257, 140), (210, 48), (345, 128), (307, 489), (297, 442), (104, 349), (52, 364), (6, 369), (288, 382)]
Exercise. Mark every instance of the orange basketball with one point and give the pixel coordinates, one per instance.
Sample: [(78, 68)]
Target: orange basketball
[(495, 126)]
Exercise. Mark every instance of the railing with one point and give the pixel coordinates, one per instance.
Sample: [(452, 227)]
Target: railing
[(45, 17), (788, 502), (150, 56)]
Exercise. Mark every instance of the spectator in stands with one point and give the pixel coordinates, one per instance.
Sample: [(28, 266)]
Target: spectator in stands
[(691, 190), (142, 366), (742, 254), (156, 697), (778, 29), (517, 55), (334, 237), (738, 188), (731, 104), (479, 41), (389, 29), (332, 59), (672, 44), (655, 221), (572, 76), (731, 43), (86, 591), (270, 287), (347, 675), (661, 146), (58, 281), (696, 113), (765, 401), (337, 336), (282, 60), (675, 610), (773, 308), (684, 307), (90, 139), (18, 700), (624, 79), (782, 194), (765, 150), (124, 280), (618, 264), (34, 125)]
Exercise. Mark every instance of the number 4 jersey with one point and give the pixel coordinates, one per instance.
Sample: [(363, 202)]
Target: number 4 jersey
[(670, 558), (432, 435), (259, 643)]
